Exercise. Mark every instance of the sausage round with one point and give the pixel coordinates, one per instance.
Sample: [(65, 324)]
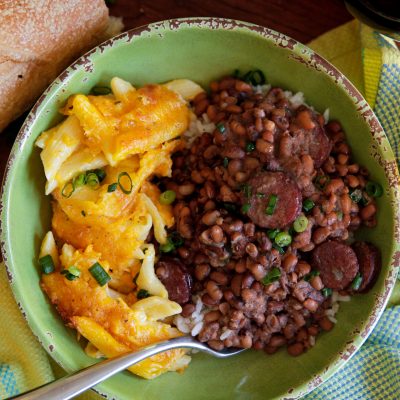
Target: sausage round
[(315, 142), (176, 279), (369, 260), (337, 263), (288, 200)]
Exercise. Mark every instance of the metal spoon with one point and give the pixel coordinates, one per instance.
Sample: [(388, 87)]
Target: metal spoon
[(72, 385)]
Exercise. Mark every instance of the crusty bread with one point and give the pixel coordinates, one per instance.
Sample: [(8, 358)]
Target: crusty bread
[(38, 39)]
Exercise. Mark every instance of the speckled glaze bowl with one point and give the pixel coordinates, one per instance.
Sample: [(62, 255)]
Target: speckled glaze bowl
[(202, 49)]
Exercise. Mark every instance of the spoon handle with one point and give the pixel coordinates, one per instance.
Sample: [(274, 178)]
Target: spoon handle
[(72, 385)]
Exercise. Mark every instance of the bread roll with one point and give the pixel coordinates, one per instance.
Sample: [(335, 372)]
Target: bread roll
[(38, 39)]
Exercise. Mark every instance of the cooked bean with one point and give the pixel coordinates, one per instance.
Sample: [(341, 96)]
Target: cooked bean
[(326, 324), (311, 305), (368, 211), (352, 181), (217, 234), (251, 250), (188, 309), (345, 203), (264, 146), (201, 271), (186, 190), (212, 316), (246, 341), (303, 268), (210, 218), (321, 234), (220, 277), (295, 349), (289, 262), (316, 283), (208, 300)]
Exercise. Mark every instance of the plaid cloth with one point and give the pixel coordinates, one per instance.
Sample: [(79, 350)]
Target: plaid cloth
[(374, 372)]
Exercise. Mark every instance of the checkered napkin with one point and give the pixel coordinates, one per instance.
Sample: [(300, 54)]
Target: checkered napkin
[(374, 372)]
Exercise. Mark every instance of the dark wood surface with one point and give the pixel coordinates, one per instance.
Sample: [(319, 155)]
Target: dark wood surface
[(301, 19)]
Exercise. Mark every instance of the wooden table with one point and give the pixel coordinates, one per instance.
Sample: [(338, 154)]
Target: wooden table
[(301, 19)]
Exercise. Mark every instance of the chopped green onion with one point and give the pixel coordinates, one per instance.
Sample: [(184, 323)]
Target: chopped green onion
[(283, 239), (236, 73), (176, 239), (326, 292), (112, 188), (355, 285), (356, 195), (101, 90), (167, 247), (221, 127), (167, 197), (68, 189), (300, 224), (101, 174), (246, 208), (92, 180), (272, 233), (273, 199), (273, 275), (279, 248), (74, 271), (247, 189), (255, 77), (71, 276), (225, 162), (250, 146), (83, 213), (99, 273), (142, 294), (364, 200), (231, 207), (260, 195), (127, 190), (79, 180), (308, 205), (47, 264), (374, 189)]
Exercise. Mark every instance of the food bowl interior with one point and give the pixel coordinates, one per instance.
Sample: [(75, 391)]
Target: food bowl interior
[(202, 51)]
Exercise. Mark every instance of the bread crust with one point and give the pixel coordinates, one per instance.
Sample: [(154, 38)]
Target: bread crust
[(38, 39)]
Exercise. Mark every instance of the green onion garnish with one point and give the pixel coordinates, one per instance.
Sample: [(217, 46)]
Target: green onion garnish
[(112, 188), (356, 195), (308, 205), (355, 285), (236, 73), (273, 199), (142, 294), (47, 264), (279, 248), (255, 77), (326, 292), (225, 162), (79, 180), (283, 239), (273, 275), (260, 195), (128, 189), (247, 189), (374, 189), (272, 233), (71, 273), (176, 239), (231, 207), (250, 146), (300, 224), (167, 197), (167, 247), (245, 208), (101, 90), (99, 273), (83, 213), (68, 189), (92, 180), (221, 127), (101, 174)]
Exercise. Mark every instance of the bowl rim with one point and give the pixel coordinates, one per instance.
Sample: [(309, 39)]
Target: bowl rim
[(299, 52)]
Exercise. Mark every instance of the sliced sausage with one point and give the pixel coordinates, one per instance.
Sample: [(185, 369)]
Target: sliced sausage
[(337, 263), (369, 259), (176, 279), (288, 201), (315, 142)]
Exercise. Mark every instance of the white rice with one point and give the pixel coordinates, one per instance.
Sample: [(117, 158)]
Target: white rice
[(225, 334), (264, 89), (197, 328), (198, 126), (311, 340), (326, 115)]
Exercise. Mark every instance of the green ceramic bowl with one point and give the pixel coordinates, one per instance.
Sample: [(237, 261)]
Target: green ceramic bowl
[(201, 49)]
